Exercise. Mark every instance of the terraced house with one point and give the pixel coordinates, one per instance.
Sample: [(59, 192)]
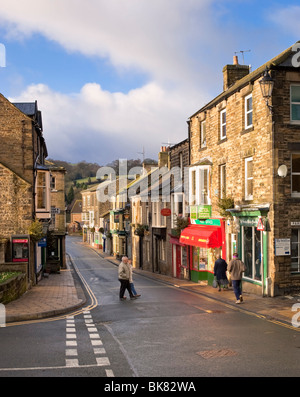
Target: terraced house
[(244, 176)]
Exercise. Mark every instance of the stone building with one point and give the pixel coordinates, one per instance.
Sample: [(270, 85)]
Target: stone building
[(244, 177), (25, 191), (176, 251), (56, 239)]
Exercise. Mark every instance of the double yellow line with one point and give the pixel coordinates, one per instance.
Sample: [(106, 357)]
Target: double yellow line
[(91, 306)]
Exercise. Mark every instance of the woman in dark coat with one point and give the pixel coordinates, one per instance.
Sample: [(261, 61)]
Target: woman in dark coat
[(220, 269)]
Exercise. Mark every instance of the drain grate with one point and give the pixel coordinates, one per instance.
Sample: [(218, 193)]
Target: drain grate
[(207, 354)]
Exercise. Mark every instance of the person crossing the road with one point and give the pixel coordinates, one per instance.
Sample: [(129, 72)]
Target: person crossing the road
[(124, 272)]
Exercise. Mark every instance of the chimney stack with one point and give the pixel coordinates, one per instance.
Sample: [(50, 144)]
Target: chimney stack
[(233, 73)]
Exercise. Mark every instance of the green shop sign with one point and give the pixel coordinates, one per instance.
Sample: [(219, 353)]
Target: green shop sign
[(200, 212), (208, 222)]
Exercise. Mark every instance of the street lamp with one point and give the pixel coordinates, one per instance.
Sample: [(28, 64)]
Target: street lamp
[(266, 86)]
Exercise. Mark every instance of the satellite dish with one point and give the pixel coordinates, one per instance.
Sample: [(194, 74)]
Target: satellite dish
[(282, 171)]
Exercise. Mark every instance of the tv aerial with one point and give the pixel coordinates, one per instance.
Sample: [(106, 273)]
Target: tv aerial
[(242, 52)]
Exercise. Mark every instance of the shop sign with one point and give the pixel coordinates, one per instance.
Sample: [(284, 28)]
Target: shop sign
[(200, 212), (295, 223), (248, 221), (165, 212), (282, 247), (208, 222)]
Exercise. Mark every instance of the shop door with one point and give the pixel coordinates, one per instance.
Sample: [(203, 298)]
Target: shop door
[(178, 261)]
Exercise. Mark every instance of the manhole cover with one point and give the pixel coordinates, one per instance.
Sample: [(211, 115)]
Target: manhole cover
[(207, 354)]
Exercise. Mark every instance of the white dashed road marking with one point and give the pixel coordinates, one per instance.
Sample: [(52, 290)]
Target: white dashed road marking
[(71, 345)]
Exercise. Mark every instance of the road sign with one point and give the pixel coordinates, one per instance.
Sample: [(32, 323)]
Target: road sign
[(260, 226)]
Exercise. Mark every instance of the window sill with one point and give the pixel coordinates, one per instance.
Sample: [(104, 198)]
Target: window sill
[(293, 124), (222, 140), (246, 130), (202, 148)]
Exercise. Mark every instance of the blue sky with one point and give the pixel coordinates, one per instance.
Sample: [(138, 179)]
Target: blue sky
[(112, 77)]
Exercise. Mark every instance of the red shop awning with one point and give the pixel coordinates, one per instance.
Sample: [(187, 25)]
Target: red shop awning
[(202, 236)]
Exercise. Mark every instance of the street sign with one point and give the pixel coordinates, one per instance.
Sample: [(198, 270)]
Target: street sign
[(260, 226)]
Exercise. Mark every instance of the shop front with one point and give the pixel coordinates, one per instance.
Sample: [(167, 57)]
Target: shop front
[(205, 240), (252, 247)]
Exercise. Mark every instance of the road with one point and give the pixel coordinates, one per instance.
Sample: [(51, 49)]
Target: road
[(167, 332)]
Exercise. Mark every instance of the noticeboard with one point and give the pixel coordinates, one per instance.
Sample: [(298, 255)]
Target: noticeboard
[(282, 247)]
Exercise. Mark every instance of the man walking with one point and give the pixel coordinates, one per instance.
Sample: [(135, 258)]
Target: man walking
[(124, 277), (236, 267)]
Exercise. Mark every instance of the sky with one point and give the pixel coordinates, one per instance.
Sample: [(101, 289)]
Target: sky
[(114, 79)]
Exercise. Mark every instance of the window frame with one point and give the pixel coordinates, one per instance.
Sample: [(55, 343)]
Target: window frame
[(248, 196), (203, 134), (42, 192), (222, 171), (247, 112), (294, 194), (298, 252), (293, 103), (197, 193), (223, 126)]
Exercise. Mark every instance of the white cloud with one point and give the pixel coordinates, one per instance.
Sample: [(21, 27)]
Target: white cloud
[(181, 46), (153, 36), (109, 125)]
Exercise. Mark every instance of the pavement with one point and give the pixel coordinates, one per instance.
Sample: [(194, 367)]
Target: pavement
[(62, 293)]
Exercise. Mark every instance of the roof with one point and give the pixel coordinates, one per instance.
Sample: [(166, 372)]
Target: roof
[(28, 108), (280, 60), (31, 110)]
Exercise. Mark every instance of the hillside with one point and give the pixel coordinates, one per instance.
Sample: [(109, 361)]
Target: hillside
[(80, 176)]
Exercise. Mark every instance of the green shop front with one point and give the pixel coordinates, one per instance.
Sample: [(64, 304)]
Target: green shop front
[(252, 246), (205, 239)]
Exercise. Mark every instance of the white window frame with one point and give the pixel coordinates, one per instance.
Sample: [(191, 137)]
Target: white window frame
[(203, 134), (222, 180), (158, 220), (199, 196), (177, 198), (248, 196), (223, 133), (45, 189), (293, 103), (294, 194), (248, 111)]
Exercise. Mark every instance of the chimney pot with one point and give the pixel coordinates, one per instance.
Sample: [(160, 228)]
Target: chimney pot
[(235, 60)]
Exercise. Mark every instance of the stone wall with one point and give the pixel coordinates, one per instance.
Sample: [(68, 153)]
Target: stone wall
[(13, 288), (16, 203), (17, 142)]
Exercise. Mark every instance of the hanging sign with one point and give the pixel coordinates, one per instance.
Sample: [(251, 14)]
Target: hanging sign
[(165, 212)]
